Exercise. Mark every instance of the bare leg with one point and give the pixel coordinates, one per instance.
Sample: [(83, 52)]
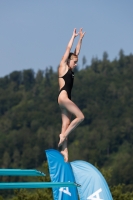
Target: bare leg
[(73, 109), (64, 150), (66, 117)]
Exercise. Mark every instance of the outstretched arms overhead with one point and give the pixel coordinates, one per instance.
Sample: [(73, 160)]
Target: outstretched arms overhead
[(69, 46), (63, 64), (78, 47)]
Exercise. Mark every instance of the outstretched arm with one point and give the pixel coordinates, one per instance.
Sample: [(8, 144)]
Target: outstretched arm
[(78, 47), (69, 46)]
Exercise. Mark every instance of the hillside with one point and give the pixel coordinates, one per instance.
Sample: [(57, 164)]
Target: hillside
[(30, 120)]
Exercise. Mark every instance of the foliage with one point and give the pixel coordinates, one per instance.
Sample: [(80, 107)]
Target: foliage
[(30, 120)]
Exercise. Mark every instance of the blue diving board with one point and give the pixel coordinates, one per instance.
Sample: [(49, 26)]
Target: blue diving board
[(31, 185), (20, 172)]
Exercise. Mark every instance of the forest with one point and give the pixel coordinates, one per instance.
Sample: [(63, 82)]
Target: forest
[(30, 123)]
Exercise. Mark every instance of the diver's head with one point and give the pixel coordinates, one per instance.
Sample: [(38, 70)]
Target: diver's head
[(72, 60)]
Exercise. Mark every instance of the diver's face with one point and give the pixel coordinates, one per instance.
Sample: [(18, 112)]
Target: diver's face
[(73, 62)]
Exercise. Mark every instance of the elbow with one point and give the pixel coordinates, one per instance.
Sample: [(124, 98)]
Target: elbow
[(68, 48)]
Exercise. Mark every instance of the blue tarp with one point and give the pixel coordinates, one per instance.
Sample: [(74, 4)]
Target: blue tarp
[(93, 184), (61, 172)]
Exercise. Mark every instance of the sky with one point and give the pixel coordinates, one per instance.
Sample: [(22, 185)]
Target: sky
[(34, 33)]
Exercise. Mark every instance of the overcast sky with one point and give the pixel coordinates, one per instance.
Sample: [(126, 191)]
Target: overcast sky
[(34, 33)]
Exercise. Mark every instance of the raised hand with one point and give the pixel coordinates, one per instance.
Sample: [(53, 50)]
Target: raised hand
[(74, 33), (81, 34)]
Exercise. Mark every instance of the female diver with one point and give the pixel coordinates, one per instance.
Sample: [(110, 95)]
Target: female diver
[(66, 77)]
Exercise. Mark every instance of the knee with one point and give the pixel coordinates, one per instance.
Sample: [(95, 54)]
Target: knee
[(81, 118)]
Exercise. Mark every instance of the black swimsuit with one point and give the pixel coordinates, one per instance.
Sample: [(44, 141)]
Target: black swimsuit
[(68, 78)]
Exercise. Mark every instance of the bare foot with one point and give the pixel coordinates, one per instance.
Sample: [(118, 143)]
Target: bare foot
[(65, 154), (62, 139)]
